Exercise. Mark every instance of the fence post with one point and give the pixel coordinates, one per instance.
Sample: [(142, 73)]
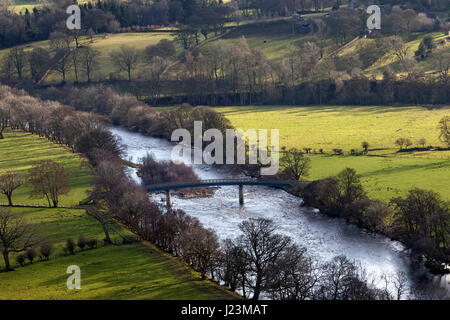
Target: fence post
[(241, 194), (168, 199)]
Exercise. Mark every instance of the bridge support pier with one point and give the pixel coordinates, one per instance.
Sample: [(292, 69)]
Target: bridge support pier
[(168, 199), (241, 194)]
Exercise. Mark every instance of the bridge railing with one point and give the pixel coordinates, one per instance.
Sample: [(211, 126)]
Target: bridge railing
[(207, 182)]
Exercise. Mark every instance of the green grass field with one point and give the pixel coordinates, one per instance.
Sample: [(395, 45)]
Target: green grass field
[(21, 6), (112, 42), (19, 151), (133, 271), (137, 271), (428, 65), (385, 172), (273, 37)]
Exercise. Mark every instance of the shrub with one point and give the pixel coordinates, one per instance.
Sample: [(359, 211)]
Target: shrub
[(365, 146), (70, 246), (30, 254), (400, 142), (338, 151), (153, 172), (46, 250), (21, 259), (403, 142), (82, 242), (421, 142), (370, 214), (92, 243), (128, 239), (408, 143)]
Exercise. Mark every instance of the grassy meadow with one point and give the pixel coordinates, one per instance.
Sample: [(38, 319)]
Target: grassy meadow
[(132, 271), (22, 5), (19, 151), (428, 65), (137, 271), (106, 44), (273, 37), (386, 173)]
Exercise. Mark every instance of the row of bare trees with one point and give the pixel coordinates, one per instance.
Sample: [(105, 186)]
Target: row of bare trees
[(81, 131), (129, 112), (65, 55)]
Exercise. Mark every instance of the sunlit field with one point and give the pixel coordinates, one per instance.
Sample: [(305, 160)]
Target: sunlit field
[(19, 151), (385, 171), (108, 43)]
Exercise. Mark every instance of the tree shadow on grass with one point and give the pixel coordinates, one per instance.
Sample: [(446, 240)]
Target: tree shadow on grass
[(406, 168)]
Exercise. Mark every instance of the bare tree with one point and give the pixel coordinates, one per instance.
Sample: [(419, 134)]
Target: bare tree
[(61, 46), (16, 235), (200, 246), (397, 281), (5, 116), (49, 180), (443, 67), (294, 277), (125, 59), (444, 130), (103, 218), (343, 279), (89, 58), (18, 58), (398, 47), (38, 61), (9, 182), (400, 142), (263, 248), (234, 266), (296, 164), (153, 74), (421, 142)]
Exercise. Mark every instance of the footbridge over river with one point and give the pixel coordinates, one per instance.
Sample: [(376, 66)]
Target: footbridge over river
[(168, 187)]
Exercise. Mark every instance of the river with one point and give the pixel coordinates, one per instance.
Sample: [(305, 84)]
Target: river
[(323, 236)]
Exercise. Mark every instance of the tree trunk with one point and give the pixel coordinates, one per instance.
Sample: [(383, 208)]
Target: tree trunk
[(9, 196), (243, 285), (257, 291), (105, 230), (6, 258), (1, 136)]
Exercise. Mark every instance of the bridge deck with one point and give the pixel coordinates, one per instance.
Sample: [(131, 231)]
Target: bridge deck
[(217, 182)]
